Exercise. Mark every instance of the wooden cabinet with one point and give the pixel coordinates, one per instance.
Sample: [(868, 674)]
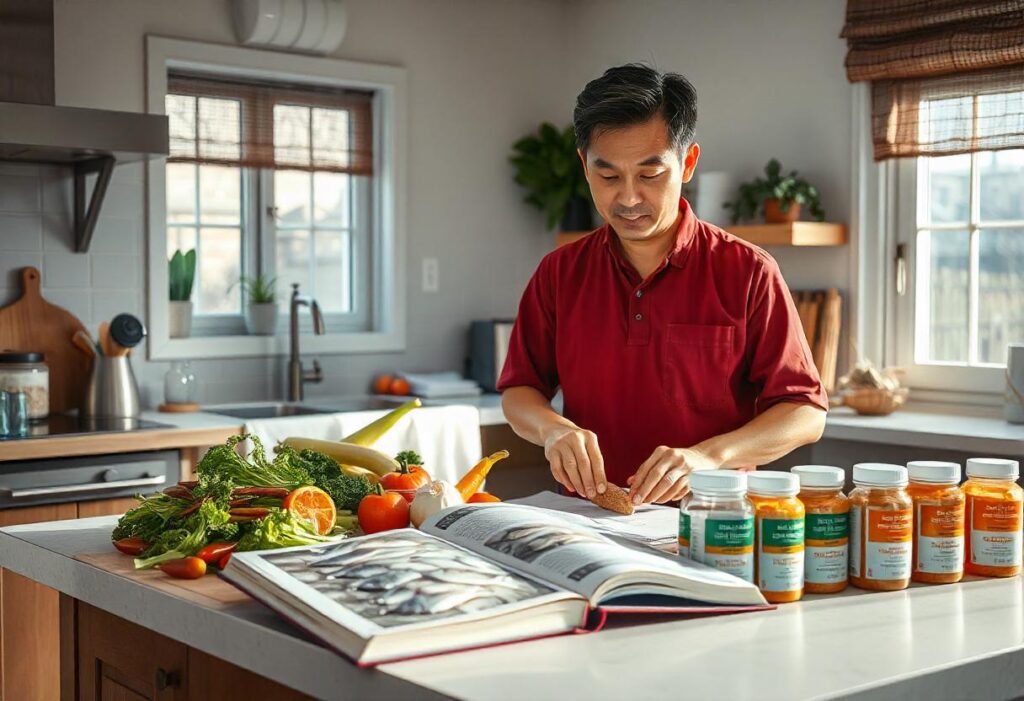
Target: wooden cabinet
[(29, 636), (115, 660)]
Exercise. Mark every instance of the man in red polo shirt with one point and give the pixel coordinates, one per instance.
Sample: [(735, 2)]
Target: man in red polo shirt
[(676, 345)]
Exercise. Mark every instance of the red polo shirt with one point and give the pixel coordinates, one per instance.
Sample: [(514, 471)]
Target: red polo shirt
[(710, 339)]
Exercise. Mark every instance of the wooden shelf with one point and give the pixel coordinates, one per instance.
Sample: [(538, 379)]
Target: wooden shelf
[(800, 233)]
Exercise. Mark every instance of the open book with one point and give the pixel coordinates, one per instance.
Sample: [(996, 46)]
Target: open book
[(476, 575)]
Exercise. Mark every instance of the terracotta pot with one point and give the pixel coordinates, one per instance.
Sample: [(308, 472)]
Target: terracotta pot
[(773, 214)]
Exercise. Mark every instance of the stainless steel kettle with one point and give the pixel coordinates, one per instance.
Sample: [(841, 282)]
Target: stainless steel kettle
[(112, 390)]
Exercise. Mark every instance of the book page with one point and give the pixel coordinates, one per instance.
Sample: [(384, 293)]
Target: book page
[(562, 551)]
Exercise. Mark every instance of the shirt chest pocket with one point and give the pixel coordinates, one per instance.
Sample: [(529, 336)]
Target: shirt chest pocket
[(697, 363)]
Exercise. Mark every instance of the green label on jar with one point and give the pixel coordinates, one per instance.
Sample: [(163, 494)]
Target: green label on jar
[(684, 528), (782, 535), (727, 535), (826, 527)]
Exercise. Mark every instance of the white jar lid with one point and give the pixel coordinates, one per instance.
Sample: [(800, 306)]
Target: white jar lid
[(719, 482), (993, 468), (880, 474), (781, 484), (819, 475), (935, 471)]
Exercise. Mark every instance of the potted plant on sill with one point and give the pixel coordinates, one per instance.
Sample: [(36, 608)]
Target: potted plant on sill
[(261, 311), (779, 197), (548, 167), (181, 273)]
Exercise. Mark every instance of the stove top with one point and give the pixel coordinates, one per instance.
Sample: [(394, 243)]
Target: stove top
[(65, 425)]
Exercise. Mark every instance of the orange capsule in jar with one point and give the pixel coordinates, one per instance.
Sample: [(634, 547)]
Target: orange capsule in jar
[(826, 528), (881, 527), (778, 535), (938, 521), (994, 517)]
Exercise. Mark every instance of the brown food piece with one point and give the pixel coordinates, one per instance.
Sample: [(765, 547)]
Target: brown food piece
[(614, 499)]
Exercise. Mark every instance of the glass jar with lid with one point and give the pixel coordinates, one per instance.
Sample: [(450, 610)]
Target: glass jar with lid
[(27, 372), (716, 522)]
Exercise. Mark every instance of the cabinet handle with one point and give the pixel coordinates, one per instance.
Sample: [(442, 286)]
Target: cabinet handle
[(901, 269), (164, 680), (61, 490)]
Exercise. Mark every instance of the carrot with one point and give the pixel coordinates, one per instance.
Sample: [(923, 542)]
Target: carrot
[(272, 492), (472, 480)]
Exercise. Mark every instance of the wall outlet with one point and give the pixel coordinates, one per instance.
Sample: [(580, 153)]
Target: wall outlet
[(431, 274)]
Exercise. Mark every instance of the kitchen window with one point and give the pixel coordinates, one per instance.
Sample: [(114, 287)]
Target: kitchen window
[(283, 166), (959, 242)]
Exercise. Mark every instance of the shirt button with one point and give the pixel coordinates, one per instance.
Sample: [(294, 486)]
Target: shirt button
[(639, 293), (639, 317)]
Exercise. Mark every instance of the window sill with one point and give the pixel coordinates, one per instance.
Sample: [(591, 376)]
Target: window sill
[(262, 346)]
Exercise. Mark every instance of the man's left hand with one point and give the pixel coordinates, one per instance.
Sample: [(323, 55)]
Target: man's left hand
[(665, 475)]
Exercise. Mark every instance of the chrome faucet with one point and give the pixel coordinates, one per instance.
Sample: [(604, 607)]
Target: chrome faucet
[(297, 376)]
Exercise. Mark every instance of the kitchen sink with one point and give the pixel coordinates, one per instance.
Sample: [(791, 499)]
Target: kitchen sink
[(271, 410)]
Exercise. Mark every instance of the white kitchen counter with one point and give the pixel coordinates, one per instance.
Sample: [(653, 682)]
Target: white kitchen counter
[(953, 641)]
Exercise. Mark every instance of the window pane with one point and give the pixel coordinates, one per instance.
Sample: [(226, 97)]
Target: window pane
[(291, 134), (943, 263), (292, 265), (1000, 292), (948, 180), (180, 238), (181, 192), (946, 120), (333, 271), (220, 128), (330, 199), (330, 137), (220, 197), (181, 124), (1002, 184), (292, 191), (219, 265), (1001, 113)]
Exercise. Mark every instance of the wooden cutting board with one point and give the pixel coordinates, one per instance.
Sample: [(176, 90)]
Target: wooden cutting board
[(209, 591), (33, 324)]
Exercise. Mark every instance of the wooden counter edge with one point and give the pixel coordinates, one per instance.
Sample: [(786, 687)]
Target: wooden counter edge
[(103, 443)]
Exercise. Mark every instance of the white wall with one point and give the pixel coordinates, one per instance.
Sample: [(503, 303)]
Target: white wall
[(769, 78)]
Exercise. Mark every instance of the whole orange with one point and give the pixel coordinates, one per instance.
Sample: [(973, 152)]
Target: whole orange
[(399, 386), (382, 384)]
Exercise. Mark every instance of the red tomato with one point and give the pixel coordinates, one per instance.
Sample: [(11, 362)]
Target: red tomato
[(482, 498), (383, 512), (185, 568), (407, 482), (131, 546)]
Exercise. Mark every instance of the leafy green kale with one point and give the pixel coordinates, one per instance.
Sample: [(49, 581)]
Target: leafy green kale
[(408, 457), (346, 491), (150, 518), (256, 471), (188, 537), (281, 529)]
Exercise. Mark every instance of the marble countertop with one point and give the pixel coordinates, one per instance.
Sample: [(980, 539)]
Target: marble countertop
[(955, 641)]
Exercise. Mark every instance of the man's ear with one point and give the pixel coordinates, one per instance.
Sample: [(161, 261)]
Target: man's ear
[(583, 160), (690, 161)]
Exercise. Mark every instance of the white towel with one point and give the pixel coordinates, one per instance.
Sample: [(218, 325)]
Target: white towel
[(446, 437)]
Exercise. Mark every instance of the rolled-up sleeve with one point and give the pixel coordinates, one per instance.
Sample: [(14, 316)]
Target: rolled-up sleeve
[(780, 361), (531, 360)]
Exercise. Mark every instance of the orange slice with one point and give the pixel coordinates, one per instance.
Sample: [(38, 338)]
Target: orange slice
[(314, 505)]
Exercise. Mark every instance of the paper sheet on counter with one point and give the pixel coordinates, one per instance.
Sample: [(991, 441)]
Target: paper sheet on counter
[(649, 524)]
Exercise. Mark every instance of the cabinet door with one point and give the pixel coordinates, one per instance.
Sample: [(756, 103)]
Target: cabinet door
[(106, 507), (120, 660), (29, 621), (213, 678)]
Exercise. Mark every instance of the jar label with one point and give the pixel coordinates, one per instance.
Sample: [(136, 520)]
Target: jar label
[(684, 533), (780, 559), (826, 551), (940, 538), (995, 532), (725, 544), (888, 552)]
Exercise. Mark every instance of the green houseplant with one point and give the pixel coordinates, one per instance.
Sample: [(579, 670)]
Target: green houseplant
[(181, 274), (778, 196), (261, 311), (548, 167)]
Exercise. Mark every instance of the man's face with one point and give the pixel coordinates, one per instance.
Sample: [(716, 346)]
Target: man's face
[(636, 177)]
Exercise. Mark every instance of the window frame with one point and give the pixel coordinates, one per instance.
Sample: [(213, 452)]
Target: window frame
[(883, 321), (386, 313)]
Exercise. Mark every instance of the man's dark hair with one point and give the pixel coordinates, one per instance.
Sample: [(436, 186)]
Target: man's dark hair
[(633, 94)]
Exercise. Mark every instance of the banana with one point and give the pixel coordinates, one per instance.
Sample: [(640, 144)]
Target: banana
[(353, 471), (348, 454)]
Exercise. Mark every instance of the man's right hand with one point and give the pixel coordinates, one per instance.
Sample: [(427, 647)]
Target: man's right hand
[(575, 459)]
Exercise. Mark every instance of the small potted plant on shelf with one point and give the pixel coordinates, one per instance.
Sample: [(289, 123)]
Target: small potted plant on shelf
[(548, 167), (181, 273), (779, 197), (261, 311)]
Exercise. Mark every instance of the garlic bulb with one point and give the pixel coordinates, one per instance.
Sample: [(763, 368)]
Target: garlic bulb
[(431, 498)]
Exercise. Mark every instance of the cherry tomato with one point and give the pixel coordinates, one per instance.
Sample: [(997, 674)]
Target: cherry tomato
[(131, 546), (406, 481), (185, 568), (383, 512)]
